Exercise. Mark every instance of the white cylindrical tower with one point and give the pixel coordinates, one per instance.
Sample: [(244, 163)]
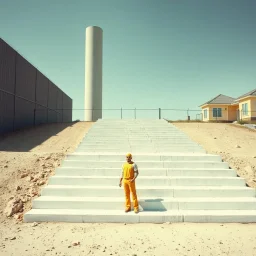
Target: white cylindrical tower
[(93, 73)]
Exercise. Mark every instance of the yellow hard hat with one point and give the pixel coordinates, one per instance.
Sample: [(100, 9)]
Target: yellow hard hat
[(129, 155)]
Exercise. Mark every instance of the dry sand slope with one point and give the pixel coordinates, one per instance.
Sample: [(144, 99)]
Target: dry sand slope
[(33, 154)]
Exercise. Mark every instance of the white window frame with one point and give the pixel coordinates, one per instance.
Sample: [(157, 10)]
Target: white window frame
[(245, 109), (205, 113)]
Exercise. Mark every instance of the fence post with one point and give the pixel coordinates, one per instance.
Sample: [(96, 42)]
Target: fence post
[(159, 114), (121, 113)]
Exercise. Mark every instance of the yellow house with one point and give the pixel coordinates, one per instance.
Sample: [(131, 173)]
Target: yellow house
[(225, 108)]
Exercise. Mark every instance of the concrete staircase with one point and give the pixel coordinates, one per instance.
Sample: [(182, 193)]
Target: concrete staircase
[(178, 180)]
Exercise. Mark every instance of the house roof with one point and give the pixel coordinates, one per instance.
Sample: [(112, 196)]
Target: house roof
[(251, 93), (220, 99)]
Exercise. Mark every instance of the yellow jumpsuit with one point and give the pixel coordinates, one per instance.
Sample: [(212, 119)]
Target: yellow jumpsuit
[(128, 173)]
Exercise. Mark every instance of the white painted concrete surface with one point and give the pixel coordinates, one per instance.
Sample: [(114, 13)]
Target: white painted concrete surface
[(178, 181)]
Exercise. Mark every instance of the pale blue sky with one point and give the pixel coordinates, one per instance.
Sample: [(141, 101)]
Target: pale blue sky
[(162, 53)]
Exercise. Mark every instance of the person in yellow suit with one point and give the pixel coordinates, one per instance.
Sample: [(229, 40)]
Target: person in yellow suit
[(129, 174)]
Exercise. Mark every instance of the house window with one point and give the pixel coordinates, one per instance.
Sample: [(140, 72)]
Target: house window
[(245, 109), (205, 113), (217, 112)]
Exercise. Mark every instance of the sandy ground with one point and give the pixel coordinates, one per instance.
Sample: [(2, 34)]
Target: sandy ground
[(35, 153)]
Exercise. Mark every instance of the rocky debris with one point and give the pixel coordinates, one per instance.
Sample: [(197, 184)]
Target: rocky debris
[(40, 183), (14, 206), (35, 224), (18, 217), (76, 243), (30, 178), (23, 175), (249, 169)]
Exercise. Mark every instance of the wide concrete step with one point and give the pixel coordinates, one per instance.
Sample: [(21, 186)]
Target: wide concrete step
[(146, 204), (142, 150), (119, 216), (147, 181), (146, 164), (174, 172), (152, 157), (147, 191), (140, 144), (139, 137)]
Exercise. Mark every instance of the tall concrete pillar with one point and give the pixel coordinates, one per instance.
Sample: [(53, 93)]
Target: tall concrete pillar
[(93, 73)]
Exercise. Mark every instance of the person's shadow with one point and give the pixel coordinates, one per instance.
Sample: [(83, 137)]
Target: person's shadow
[(152, 205)]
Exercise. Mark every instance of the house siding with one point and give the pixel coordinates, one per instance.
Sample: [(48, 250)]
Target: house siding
[(251, 101)]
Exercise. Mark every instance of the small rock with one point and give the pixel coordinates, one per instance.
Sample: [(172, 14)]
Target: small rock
[(237, 146), (14, 206), (75, 243), (23, 175), (35, 224), (30, 178), (254, 157), (13, 238), (18, 188), (215, 138), (40, 183)]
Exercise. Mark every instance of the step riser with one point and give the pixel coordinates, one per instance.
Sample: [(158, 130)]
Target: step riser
[(148, 150), (141, 165), (147, 182), (138, 144), (92, 192), (154, 172), (127, 145), (145, 205), (133, 218), (143, 158)]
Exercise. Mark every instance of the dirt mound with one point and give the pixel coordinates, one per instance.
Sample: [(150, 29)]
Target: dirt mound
[(28, 158)]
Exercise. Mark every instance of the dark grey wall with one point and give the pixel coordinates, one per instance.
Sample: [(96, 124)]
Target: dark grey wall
[(27, 97)]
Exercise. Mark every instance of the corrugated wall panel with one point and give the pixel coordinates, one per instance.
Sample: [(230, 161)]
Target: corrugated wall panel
[(25, 78), (6, 112), (67, 108), (52, 102), (41, 115), (52, 116), (52, 96), (7, 67), (38, 92), (70, 107), (59, 105), (24, 113), (42, 84)]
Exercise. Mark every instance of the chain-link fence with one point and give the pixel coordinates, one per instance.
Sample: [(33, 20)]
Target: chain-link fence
[(212, 115)]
